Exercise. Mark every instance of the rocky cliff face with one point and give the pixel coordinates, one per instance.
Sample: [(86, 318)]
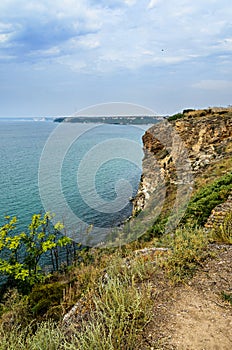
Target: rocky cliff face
[(219, 213), (176, 150)]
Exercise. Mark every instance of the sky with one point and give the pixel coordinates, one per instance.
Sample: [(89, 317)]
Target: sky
[(57, 57)]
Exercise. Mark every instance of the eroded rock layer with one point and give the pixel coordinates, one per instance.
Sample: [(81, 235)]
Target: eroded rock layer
[(172, 148)]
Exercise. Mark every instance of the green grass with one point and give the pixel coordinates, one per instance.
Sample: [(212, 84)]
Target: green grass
[(118, 307), (227, 297), (121, 311), (188, 249), (121, 307), (116, 300), (207, 198), (48, 336)]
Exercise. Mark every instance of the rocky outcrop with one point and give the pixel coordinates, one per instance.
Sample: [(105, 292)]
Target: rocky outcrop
[(172, 148), (219, 213)]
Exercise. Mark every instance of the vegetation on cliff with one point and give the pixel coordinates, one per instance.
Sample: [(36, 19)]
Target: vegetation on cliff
[(114, 293)]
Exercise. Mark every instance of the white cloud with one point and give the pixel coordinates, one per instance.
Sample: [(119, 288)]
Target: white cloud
[(5, 27), (224, 45), (128, 36), (74, 63), (130, 2), (89, 42), (53, 51), (4, 38), (7, 57), (216, 85), (152, 4)]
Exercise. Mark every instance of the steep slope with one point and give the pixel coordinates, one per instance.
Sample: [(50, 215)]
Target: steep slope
[(206, 140)]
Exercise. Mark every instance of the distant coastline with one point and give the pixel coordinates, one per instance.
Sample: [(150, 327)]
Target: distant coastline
[(120, 120), (26, 119)]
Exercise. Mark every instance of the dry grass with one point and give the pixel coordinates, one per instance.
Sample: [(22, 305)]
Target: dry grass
[(223, 233)]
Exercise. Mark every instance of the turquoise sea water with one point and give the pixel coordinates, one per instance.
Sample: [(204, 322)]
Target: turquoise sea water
[(21, 144), (21, 147)]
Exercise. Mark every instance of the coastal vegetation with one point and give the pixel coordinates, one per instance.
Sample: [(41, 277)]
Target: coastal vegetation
[(207, 198), (113, 290), (22, 252)]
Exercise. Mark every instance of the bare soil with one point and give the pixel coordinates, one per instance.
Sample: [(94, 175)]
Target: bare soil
[(194, 316)]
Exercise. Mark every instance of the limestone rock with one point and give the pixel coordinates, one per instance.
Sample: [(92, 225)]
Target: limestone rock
[(205, 135), (219, 213)]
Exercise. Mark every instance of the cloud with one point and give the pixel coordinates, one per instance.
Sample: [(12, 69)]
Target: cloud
[(4, 38), (216, 85), (76, 64), (51, 52), (153, 3), (89, 41), (93, 36), (130, 2)]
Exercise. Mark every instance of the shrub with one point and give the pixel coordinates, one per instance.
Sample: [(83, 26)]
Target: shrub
[(227, 297), (206, 199), (188, 250), (44, 298), (223, 233), (176, 116), (14, 311), (21, 252)]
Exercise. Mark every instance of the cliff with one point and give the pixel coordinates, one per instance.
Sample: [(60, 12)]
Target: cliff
[(183, 148)]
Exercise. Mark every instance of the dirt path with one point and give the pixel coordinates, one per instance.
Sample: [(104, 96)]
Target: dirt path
[(195, 316)]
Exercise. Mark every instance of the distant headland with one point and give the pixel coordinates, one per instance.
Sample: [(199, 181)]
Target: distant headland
[(121, 120)]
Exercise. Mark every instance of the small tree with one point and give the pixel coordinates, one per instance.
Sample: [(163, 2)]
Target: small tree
[(20, 253)]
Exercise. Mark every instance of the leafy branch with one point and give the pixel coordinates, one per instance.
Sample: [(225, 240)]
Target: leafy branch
[(20, 253)]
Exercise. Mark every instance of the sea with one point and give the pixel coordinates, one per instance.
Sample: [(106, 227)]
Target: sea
[(85, 171)]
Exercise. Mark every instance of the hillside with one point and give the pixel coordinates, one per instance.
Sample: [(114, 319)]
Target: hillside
[(120, 120)]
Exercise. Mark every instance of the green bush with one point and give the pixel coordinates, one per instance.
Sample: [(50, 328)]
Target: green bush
[(21, 252), (44, 298), (205, 200), (176, 116)]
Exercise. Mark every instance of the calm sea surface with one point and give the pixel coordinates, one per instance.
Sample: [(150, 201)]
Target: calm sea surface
[(21, 147)]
